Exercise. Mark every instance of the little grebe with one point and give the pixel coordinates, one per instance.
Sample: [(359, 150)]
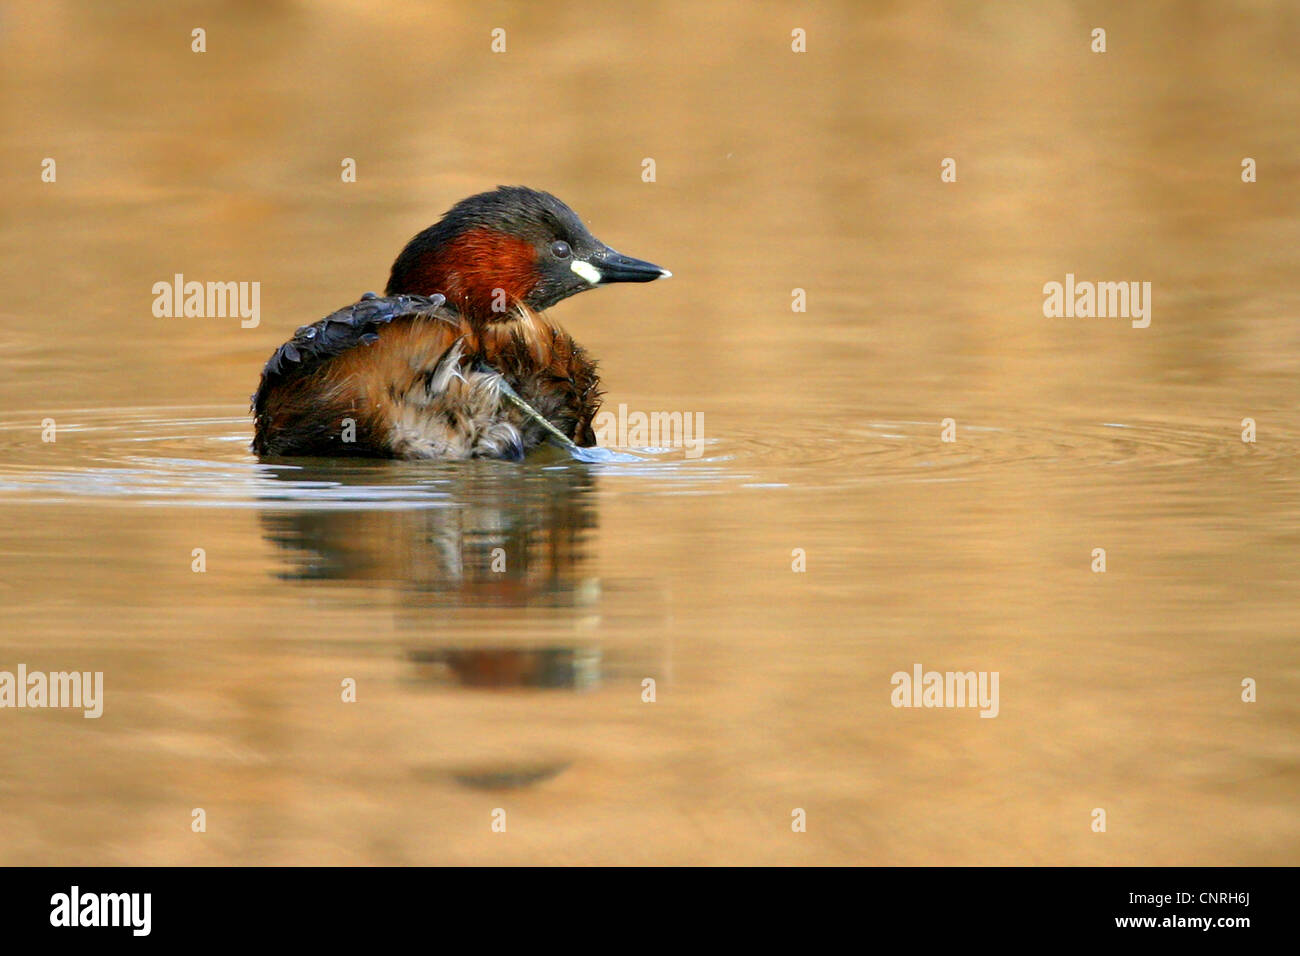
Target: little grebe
[(456, 360)]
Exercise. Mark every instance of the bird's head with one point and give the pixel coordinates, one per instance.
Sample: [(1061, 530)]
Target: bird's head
[(509, 247)]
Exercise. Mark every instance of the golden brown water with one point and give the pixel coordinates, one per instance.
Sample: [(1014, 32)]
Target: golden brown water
[(521, 689)]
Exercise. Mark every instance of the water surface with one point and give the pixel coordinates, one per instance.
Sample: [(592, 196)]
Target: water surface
[(500, 619)]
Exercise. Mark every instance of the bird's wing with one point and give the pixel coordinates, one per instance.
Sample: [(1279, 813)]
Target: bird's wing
[(353, 325), (349, 369)]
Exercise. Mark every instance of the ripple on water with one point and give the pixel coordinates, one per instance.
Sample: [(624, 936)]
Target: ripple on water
[(199, 456), (912, 451)]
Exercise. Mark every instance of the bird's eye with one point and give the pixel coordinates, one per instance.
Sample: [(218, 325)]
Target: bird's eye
[(560, 249)]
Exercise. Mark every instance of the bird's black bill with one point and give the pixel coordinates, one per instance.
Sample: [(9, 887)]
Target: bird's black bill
[(616, 267)]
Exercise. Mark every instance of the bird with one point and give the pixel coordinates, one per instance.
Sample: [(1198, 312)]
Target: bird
[(457, 359)]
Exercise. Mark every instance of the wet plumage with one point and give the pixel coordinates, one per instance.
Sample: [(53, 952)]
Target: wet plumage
[(422, 372)]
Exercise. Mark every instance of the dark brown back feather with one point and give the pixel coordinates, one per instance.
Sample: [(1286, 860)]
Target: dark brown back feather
[(327, 374), (289, 416)]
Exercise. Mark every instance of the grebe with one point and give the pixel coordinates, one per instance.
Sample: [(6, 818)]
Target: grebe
[(456, 360)]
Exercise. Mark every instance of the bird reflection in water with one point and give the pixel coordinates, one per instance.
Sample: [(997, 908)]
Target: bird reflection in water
[(469, 563), (465, 534)]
